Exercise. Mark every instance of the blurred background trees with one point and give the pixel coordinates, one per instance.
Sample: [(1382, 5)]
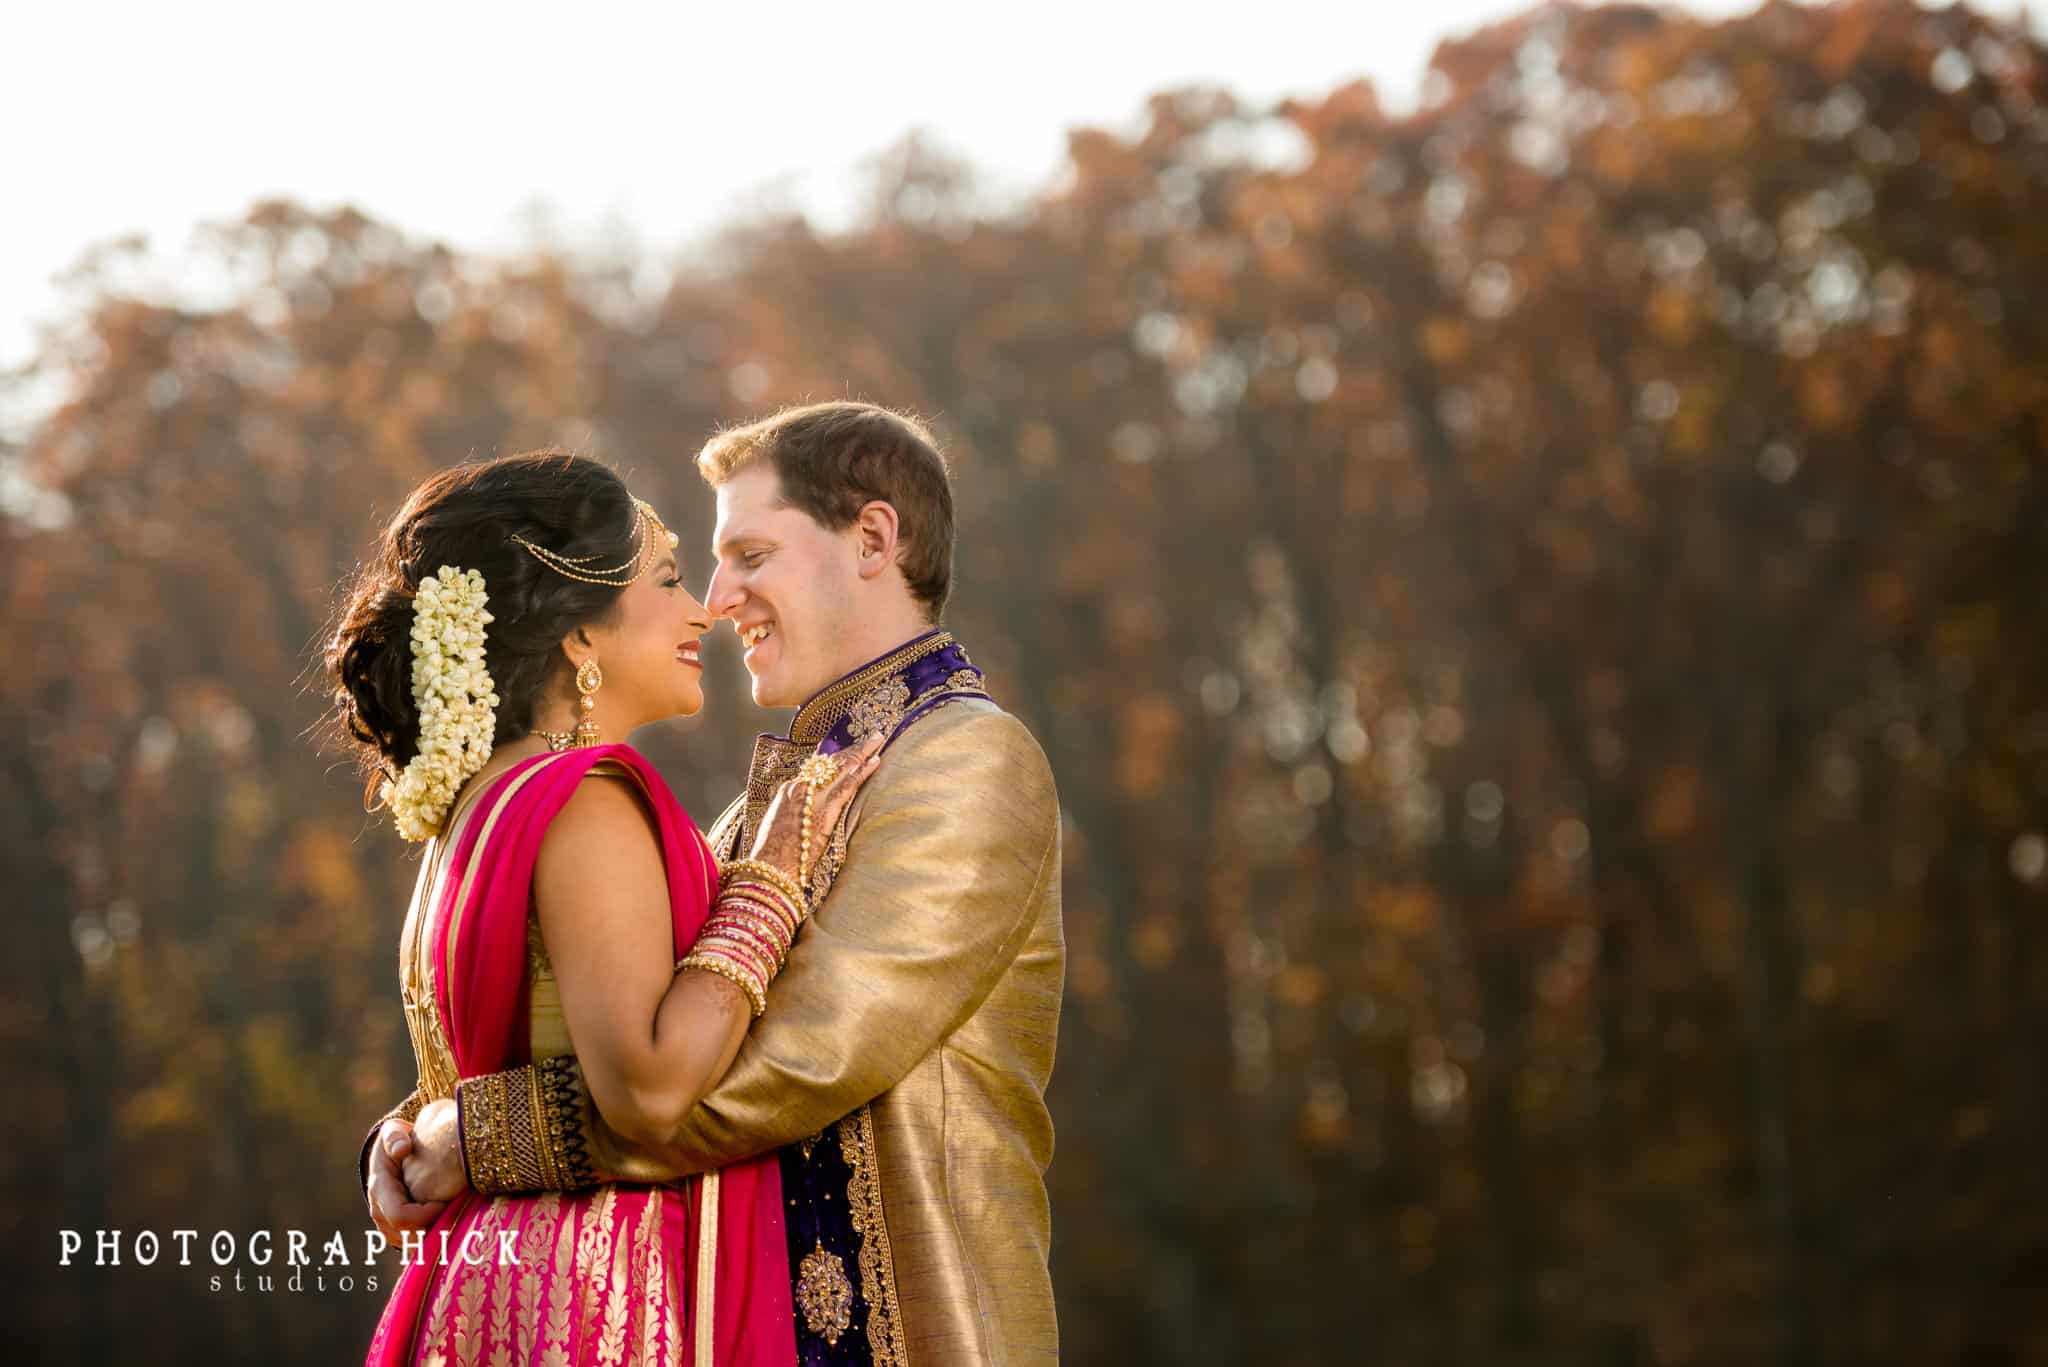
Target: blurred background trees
[(1535, 605)]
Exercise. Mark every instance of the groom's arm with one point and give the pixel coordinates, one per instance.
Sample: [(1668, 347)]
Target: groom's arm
[(954, 835)]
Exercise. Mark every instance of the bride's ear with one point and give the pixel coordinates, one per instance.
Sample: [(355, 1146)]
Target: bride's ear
[(579, 645)]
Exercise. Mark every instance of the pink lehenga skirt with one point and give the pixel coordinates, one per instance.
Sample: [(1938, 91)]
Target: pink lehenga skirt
[(597, 1277)]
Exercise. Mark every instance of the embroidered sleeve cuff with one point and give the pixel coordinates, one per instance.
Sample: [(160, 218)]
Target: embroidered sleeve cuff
[(407, 1110), (522, 1130)]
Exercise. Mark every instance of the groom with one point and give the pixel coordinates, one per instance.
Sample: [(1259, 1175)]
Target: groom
[(901, 1066)]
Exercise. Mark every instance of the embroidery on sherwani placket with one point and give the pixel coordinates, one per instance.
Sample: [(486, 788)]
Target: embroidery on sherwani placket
[(877, 712), (775, 763), (963, 681), (826, 871), (824, 1294), (727, 846), (816, 718), (877, 1262), (723, 837)]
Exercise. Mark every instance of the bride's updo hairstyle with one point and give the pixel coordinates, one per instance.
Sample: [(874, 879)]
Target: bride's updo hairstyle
[(467, 517)]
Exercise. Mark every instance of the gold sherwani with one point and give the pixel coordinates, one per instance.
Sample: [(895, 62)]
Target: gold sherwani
[(920, 1005)]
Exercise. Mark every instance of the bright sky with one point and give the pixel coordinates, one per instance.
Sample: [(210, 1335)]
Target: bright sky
[(453, 120)]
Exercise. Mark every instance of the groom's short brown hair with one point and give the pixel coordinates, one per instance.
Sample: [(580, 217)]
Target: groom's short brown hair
[(834, 458)]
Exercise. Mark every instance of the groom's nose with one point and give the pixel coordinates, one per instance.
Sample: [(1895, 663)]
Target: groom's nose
[(721, 597)]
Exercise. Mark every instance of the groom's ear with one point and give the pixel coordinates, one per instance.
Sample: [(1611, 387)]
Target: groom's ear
[(875, 528)]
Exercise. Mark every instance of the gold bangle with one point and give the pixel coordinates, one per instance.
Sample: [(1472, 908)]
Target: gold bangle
[(755, 943), (755, 939), (763, 898), (779, 917), (752, 923), (726, 953), (766, 873), (757, 998), (752, 893)]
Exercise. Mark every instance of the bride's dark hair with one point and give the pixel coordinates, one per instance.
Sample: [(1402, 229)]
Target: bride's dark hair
[(467, 517)]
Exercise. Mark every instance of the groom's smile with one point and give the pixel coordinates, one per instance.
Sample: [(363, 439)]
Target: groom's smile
[(786, 585), (755, 639)]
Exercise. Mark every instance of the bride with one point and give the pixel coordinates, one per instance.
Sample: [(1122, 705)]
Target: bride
[(519, 615)]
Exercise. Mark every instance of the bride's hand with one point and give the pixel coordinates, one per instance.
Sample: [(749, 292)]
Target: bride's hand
[(781, 838)]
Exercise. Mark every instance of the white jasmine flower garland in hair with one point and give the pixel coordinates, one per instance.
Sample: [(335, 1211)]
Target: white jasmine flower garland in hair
[(454, 696)]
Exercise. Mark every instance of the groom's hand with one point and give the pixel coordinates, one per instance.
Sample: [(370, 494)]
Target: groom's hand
[(432, 1170), (392, 1207)]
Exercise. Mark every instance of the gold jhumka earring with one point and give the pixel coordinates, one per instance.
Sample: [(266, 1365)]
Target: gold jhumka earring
[(589, 678)]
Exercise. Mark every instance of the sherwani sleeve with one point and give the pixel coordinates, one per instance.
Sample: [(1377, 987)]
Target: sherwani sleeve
[(950, 841)]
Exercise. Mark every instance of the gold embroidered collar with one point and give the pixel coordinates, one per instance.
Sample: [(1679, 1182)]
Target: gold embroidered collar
[(834, 702)]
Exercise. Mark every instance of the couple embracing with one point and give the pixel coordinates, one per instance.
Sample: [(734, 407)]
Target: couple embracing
[(765, 1095)]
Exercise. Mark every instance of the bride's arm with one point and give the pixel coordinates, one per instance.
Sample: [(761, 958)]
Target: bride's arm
[(651, 1041)]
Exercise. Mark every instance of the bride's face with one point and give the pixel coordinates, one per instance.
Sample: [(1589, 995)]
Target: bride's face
[(649, 654)]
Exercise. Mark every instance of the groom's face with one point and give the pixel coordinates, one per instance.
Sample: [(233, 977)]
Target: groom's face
[(788, 585)]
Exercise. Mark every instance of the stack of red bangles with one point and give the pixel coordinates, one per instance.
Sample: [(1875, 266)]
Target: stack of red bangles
[(751, 927)]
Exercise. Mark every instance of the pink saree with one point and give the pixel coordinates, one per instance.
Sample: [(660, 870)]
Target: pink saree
[(618, 1273)]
